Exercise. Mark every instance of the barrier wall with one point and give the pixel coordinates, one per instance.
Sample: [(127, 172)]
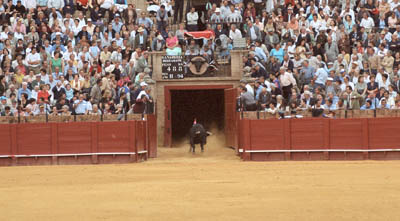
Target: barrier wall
[(77, 142), (339, 114), (320, 139)]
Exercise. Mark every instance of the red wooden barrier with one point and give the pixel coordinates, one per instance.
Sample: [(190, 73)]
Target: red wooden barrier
[(75, 143), (320, 139)]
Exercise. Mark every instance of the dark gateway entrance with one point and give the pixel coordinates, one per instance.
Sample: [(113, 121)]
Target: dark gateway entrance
[(206, 106)]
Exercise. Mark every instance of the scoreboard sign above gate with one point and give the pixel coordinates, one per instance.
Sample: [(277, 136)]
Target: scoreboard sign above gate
[(172, 67)]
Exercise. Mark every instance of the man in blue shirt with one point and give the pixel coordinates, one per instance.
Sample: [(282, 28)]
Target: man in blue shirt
[(374, 101), (307, 72), (143, 20), (117, 24), (24, 90), (258, 88), (81, 107), (367, 106), (259, 51), (320, 76)]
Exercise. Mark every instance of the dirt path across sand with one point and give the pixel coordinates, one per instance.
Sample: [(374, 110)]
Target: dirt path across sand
[(214, 185)]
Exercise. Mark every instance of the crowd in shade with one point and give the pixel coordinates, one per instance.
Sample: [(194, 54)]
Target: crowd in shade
[(65, 57)]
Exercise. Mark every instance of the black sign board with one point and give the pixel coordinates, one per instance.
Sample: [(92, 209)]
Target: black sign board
[(172, 67)]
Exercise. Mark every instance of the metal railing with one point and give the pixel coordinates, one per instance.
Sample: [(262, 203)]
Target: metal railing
[(339, 114), (70, 118)]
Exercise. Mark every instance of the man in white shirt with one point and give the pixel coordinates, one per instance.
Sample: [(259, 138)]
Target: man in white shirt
[(234, 33), (367, 22), (33, 60), (192, 18), (315, 23), (287, 82)]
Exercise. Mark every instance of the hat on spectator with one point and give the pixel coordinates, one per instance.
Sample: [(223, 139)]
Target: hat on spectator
[(301, 9), (89, 20), (143, 84), (38, 75), (3, 98), (354, 62), (322, 29), (329, 79), (117, 15), (217, 10), (330, 63), (140, 29)]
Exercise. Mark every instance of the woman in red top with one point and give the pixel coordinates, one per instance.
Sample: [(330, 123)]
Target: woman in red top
[(43, 94), (83, 5)]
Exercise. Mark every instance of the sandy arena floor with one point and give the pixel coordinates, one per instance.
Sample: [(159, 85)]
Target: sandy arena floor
[(214, 185)]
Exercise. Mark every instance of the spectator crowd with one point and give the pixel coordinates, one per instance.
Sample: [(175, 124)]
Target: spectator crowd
[(64, 57), (319, 55)]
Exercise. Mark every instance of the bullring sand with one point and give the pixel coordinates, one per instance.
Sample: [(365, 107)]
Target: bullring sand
[(215, 185)]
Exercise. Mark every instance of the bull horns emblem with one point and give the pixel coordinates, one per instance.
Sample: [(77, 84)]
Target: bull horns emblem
[(198, 65)]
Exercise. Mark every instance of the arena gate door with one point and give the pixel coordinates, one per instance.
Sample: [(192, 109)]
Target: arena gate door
[(228, 113), (231, 119)]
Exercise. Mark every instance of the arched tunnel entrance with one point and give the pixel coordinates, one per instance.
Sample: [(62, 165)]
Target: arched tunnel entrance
[(205, 105)]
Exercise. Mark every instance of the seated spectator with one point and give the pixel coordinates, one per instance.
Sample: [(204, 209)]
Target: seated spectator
[(158, 44), (141, 39)]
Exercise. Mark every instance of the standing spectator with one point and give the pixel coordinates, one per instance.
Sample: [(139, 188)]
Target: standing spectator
[(178, 11), (162, 18), (331, 50), (288, 82), (57, 4), (33, 59), (234, 33), (253, 32), (3, 85), (95, 92), (247, 100), (192, 19), (144, 21)]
